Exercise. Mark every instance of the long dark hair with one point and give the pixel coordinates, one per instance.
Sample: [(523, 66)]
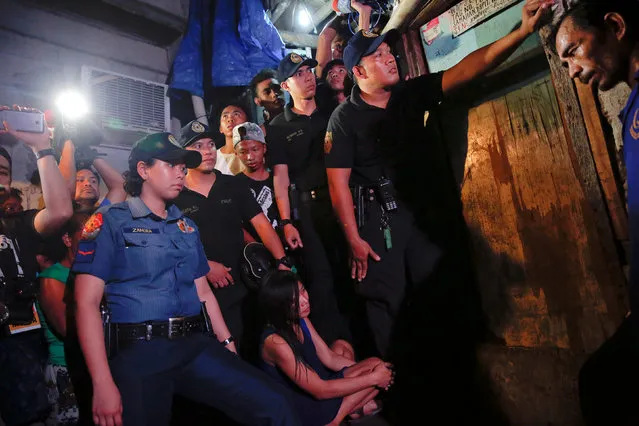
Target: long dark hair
[(278, 300)]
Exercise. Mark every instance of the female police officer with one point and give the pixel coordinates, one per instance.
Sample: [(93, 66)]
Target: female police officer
[(146, 259)]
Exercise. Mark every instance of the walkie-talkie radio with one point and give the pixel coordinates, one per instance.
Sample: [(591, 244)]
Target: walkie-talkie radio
[(387, 194)]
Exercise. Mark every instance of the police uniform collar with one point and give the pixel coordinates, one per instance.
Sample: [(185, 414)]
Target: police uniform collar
[(291, 115), (635, 92), (139, 209), (358, 102)]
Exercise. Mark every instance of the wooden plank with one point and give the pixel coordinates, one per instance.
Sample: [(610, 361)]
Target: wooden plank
[(601, 155), (543, 277), (577, 137), (414, 53)]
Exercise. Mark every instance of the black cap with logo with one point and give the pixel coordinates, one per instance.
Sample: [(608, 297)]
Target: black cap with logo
[(291, 63), (162, 146), (193, 132), (365, 43)]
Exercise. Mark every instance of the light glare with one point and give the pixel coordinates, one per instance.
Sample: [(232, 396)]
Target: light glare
[(72, 105)]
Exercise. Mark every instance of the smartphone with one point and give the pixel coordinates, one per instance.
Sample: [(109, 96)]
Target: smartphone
[(24, 121)]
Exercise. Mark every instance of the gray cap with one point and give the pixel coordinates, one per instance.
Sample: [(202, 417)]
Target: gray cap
[(247, 132)]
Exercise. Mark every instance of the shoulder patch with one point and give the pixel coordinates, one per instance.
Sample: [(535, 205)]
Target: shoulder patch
[(328, 142), (369, 34), (86, 252), (634, 125), (92, 227), (185, 227)]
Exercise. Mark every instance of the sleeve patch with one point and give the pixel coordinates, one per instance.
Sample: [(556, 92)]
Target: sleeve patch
[(86, 252), (328, 142), (92, 227)]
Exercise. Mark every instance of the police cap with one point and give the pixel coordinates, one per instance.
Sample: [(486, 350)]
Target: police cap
[(162, 146)]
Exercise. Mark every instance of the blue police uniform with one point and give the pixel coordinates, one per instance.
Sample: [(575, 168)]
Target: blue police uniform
[(149, 265), (630, 119)]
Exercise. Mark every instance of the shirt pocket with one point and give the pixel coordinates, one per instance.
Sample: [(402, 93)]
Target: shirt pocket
[(144, 251), (187, 244)]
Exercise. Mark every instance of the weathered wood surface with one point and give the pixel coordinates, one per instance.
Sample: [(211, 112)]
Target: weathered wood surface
[(580, 151), (603, 162), (414, 53), (542, 269)]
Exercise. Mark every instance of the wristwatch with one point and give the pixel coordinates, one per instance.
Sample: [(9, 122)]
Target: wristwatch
[(285, 222), (286, 261), (43, 153), (228, 341)]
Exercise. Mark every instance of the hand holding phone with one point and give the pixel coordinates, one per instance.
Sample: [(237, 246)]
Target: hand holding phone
[(31, 126)]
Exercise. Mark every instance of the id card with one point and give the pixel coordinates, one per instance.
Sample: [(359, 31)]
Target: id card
[(34, 325)]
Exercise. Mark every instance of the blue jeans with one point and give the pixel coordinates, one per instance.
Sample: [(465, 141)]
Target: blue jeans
[(149, 373)]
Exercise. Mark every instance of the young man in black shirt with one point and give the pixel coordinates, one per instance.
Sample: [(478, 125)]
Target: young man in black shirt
[(250, 147), (295, 140), (366, 137), (23, 397), (220, 205), (267, 94)]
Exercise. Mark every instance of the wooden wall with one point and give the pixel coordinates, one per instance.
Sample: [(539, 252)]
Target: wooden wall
[(543, 273)]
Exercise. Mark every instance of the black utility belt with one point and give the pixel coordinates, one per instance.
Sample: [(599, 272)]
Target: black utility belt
[(314, 194), (174, 328)]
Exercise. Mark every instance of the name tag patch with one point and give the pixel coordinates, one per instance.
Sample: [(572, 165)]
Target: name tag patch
[(141, 231)]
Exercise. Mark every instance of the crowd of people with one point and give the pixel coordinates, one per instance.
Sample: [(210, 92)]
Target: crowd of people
[(140, 293)]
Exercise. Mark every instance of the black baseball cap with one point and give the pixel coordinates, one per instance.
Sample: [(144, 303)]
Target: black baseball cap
[(291, 63), (193, 132), (365, 43), (162, 146), (329, 65)]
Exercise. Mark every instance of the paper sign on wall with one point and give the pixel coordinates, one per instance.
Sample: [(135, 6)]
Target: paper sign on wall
[(469, 13)]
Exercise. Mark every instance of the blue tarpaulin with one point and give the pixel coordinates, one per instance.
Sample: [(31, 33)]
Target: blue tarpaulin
[(244, 42)]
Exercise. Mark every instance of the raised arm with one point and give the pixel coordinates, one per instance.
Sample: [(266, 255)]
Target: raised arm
[(67, 166), (324, 40), (490, 57), (112, 179), (54, 189)]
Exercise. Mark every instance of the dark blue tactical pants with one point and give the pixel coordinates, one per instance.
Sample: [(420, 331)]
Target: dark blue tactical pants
[(149, 373)]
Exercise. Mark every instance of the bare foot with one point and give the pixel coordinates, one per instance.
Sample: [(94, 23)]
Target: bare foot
[(370, 408)]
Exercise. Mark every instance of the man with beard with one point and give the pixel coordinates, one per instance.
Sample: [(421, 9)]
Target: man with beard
[(267, 94), (220, 205), (364, 135), (295, 140), (83, 177), (598, 43)]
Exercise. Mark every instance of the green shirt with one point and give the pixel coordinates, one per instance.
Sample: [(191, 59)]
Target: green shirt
[(56, 346)]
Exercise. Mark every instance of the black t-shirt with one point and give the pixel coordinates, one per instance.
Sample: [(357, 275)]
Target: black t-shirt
[(298, 142), (264, 194), (18, 244), (371, 140), (220, 218)]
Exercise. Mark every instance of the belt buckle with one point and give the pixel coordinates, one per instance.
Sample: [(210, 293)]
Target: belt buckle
[(177, 327)]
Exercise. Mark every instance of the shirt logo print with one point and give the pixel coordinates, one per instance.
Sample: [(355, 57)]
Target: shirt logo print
[(226, 201), (634, 125), (290, 137)]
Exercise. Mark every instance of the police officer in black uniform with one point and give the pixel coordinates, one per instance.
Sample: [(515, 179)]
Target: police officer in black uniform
[(295, 141), (366, 137), (165, 333), (23, 393), (221, 205)]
